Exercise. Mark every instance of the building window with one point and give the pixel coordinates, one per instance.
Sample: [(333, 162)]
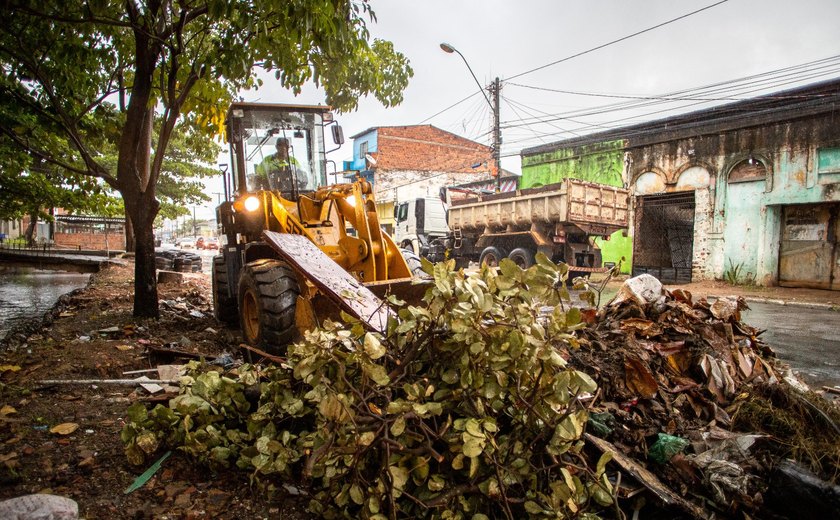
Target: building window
[(828, 160), (363, 149), (749, 170)]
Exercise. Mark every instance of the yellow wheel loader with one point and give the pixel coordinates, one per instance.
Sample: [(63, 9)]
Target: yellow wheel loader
[(293, 248)]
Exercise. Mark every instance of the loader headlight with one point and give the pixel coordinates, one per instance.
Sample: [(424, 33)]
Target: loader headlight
[(252, 203)]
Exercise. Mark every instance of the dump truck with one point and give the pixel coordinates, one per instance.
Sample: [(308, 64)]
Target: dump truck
[(293, 249), (560, 220)]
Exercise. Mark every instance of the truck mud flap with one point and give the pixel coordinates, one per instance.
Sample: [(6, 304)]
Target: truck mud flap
[(332, 281)]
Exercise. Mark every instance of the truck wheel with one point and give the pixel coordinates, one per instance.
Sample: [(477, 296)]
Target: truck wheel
[(413, 261), (491, 256), (224, 306), (522, 257), (268, 292)]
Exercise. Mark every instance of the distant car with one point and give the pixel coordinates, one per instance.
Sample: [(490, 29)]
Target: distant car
[(199, 243), (185, 243), (211, 243)]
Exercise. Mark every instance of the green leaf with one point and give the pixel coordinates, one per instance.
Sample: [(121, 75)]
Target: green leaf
[(356, 495), (398, 426), (377, 373), (373, 347), (399, 476)]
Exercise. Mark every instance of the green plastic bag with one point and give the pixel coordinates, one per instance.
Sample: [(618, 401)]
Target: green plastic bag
[(665, 447)]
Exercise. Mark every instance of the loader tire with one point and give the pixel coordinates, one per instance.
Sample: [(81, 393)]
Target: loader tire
[(522, 257), (268, 292), (491, 256), (414, 264), (224, 306)]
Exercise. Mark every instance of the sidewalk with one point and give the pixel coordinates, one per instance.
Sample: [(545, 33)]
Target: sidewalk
[(814, 298)]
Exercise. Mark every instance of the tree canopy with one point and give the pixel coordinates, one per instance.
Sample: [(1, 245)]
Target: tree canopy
[(83, 79)]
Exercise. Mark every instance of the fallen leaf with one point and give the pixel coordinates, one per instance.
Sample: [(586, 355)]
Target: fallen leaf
[(9, 368), (124, 347), (64, 428), (639, 378), (7, 410)]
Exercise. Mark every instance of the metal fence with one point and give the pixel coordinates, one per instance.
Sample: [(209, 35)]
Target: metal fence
[(664, 236)]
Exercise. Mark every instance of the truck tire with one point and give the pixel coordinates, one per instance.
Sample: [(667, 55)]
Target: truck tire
[(224, 306), (413, 261), (522, 257), (268, 292), (491, 256)]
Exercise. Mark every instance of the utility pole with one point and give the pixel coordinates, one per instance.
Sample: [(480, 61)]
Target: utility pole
[(194, 228), (497, 135)]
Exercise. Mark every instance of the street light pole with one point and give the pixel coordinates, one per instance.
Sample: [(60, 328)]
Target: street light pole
[(495, 89)]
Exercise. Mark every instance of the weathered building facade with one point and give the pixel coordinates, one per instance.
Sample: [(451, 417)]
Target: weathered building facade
[(749, 189), (408, 162)]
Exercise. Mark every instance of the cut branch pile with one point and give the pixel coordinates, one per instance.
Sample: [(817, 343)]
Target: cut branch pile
[(464, 409), (474, 405)]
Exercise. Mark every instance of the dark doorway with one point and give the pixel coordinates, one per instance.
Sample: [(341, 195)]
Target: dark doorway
[(663, 242)]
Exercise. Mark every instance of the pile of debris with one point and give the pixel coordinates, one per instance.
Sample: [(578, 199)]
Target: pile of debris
[(481, 403), (690, 392)]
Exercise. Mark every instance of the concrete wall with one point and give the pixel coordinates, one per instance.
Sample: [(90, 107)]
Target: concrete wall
[(599, 162), (739, 223), (358, 161)]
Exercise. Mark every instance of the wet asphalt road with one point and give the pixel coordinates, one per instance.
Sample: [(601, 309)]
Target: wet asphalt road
[(807, 339)]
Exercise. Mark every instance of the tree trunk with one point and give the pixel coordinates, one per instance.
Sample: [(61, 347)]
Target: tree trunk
[(29, 234), (141, 215), (130, 244)]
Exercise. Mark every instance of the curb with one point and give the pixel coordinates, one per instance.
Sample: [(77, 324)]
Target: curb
[(788, 303)]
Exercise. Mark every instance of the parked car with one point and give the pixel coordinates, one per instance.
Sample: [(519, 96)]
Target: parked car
[(185, 243), (211, 243)]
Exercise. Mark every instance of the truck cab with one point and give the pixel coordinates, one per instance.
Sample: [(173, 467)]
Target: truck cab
[(418, 222)]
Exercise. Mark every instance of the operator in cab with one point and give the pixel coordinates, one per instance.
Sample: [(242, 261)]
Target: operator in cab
[(279, 170)]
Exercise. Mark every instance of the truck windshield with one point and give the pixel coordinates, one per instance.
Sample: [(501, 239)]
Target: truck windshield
[(283, 150)]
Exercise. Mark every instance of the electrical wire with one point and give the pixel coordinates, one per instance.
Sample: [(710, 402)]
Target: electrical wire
[(755, 87), (453, 105), (623, 38), (715, 88)]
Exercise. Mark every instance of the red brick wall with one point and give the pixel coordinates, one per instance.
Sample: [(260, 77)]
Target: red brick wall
[(90, 240), (426, 148)]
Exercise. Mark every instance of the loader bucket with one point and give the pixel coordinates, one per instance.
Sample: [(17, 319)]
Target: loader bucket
[(337, 290)]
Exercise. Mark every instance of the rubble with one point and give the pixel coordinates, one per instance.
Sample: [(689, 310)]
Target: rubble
[(682, 389), (669, 367)]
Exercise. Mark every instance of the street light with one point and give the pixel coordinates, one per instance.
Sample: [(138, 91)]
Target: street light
[(494, 107)]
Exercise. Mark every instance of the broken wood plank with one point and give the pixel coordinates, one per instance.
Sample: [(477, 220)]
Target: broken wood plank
[(832, 389), (647, 479), (262, 353), (331, 279), (123, 382)]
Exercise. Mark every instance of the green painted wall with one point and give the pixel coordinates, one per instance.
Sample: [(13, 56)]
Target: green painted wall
[(599, 162)]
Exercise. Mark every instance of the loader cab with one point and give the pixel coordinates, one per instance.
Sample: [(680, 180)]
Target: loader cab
[(277, 148)]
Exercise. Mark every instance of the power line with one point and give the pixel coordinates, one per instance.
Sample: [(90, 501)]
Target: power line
[(759, 86), (708, 88), (593, 49), (453, 105)]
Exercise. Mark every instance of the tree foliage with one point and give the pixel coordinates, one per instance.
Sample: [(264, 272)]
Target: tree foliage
[(464, 409), (82, 79)]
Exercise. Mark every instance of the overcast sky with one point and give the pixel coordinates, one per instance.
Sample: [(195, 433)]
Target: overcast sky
[(724, 43)]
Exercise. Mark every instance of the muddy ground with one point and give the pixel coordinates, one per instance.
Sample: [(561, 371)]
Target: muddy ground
[(88, 465)]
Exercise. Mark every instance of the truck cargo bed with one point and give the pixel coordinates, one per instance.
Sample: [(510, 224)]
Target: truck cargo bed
[(596, 208)]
